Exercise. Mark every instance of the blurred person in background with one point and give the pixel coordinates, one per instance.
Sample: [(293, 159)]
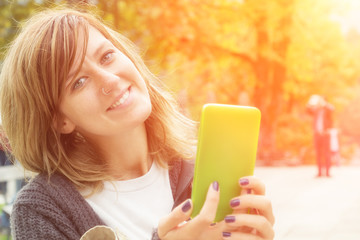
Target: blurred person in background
[(321, 112)]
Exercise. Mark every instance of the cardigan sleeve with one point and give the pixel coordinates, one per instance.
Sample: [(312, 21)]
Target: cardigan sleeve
[(51, 209), (27, 223)]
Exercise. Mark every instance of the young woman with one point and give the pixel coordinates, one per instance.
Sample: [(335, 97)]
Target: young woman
[(109, 146)]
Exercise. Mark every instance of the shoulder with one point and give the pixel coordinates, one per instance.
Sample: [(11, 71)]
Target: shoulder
[(329, 107), (44, 189), (54, 193)]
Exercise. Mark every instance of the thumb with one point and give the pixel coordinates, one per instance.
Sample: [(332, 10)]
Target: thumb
[(180, 214)]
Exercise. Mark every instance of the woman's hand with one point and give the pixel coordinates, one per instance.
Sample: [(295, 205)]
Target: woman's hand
[(175, 225), (252, 218)]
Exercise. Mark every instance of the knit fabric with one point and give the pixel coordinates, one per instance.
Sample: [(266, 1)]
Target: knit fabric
[(55, 209)]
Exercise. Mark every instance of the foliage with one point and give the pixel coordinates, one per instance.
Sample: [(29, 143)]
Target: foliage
[(268, 54)]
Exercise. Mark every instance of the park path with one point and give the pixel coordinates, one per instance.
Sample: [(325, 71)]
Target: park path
[(306, 207)]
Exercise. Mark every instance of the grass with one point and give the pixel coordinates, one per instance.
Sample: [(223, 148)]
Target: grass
[(4, 237), (3, 233)]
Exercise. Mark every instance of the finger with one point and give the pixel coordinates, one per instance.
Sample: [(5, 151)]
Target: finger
[(262, 226), (259, 202), (245, 191), (251, 182), (180, 214), (208, 211), (212, 199), (240, 235), (234, 204)]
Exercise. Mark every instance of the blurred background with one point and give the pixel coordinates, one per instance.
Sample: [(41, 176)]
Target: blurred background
[(273, 55), (269, 54)]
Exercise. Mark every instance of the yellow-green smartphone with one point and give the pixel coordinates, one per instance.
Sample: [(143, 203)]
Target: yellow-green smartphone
[(227, 146)]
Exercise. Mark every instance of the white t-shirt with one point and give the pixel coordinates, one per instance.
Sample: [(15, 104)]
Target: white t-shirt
[(134, 207)]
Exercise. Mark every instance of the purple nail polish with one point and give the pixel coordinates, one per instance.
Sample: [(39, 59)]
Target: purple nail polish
[(235, 202), (216, 185), (226, 234), (229, 219), (244, 181), (186, 206)]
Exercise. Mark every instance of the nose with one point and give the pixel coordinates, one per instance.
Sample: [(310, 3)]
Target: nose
[(107, 81)]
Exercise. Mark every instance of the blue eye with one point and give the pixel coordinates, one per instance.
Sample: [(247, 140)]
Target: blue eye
[(79, 83), (107, 57)]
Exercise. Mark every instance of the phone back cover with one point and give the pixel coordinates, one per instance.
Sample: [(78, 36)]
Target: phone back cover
[(227, 147)]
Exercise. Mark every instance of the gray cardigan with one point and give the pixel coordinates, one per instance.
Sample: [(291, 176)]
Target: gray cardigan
[(56, 210)]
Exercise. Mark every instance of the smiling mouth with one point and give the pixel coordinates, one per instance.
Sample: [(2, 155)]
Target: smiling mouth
[(121, 101)]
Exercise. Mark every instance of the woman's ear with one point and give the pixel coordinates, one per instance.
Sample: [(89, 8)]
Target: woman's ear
[(64, 125), (67, 126)]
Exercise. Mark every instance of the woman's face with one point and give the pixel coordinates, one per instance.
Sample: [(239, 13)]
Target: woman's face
[(108, 96)]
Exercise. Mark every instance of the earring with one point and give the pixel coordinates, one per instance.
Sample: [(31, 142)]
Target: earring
[(105, 92), (80, 137)]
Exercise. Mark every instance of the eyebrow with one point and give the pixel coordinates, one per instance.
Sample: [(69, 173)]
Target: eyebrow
[(101, 46)]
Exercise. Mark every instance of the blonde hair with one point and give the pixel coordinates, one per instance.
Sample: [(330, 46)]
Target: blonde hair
[(36, 66)]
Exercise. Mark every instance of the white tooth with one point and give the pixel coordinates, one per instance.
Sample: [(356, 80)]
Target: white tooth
[(121, 100), (126, 95)]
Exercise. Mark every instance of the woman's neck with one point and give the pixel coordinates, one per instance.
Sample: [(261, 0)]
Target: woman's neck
[(126, 154)]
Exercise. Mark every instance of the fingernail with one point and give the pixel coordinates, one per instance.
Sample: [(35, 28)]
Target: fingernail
[(244, 181), (213, 224), (230, 219), (226, 234), (248, 191), (186, 206), (216, 185), (235, 202)]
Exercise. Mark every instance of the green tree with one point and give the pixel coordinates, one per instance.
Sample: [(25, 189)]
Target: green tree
[(268, 54)]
